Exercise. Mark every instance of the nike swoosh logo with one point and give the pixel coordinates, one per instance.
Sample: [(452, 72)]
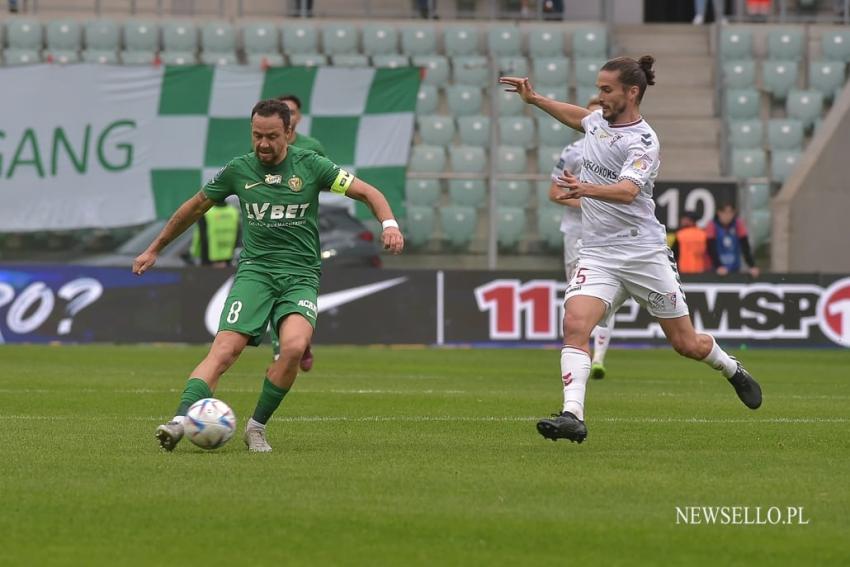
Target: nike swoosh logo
[(252, 185), (327, 301)]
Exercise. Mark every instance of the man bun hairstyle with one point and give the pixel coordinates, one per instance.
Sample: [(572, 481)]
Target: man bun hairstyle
[(634, 73), (272, 107)]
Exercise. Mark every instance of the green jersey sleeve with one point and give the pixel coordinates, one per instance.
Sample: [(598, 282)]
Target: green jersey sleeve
[(329, 174), (221, 185)]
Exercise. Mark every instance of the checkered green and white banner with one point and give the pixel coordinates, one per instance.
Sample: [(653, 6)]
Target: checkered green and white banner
[(97, 146)]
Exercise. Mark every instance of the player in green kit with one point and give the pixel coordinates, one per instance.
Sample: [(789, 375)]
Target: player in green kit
[(278, 275)]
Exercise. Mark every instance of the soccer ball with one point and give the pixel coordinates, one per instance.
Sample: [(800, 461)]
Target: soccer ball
[(210, 423)]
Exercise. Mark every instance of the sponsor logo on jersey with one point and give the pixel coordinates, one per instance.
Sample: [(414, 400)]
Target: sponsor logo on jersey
[(600, 170), (252, 185), (646, 139), (273, 179), (642, 163), (295, 183), (615, 139), (267, 211)]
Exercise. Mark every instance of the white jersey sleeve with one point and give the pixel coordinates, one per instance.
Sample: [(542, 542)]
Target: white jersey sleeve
[(641, 157), (570, 160)]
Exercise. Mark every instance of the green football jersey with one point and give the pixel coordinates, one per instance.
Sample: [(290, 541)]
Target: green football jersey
[(308, 143), (280, 206)]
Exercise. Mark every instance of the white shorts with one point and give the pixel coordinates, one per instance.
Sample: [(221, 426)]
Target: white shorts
[(614, 273), (572, 245)]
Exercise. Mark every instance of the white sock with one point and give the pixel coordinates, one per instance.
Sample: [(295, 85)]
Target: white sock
[(602, 338), (575, 369), (179, 419), (255, 424), (719, 360)]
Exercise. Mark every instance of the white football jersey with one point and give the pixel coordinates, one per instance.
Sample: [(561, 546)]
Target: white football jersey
[(612, 153), (570, 160)]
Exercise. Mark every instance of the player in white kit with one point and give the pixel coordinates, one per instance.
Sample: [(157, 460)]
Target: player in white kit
[(624, 252), (570, 160)]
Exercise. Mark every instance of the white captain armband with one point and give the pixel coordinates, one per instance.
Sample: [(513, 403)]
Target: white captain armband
[(342, 182)]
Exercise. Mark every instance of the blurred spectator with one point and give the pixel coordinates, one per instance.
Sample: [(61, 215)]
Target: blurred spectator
[(13, 6), (728, 240), (427, 9), (700, 7), (553, 10), (304, 7), (216, 235), (690, 247)]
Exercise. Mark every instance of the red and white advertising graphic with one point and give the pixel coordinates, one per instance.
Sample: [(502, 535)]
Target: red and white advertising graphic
[(834, 312)]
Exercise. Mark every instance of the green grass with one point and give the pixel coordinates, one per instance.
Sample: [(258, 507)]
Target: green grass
[(421, 457)]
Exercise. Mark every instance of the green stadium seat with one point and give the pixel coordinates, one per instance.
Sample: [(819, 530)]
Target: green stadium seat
[(474, 130), (513, 193), (419, 40), (133, 57), (736, 43), (785, 44), (218, 44), (390, 61), (419, 228), (551, 132), (460, 40), (424, 192), (759, 227), (178, 58), (828, 77), (338, 39), (757, 195), (783, 134), (308, 60), (541, 190), (179, 36), (102, 39), (262, 44), (509, 104), (24, 34), (545, 42), (835, 45), (584, 94), (64, 41), (427, 159), (517, 131), (746, 134), (379, 40), (350, 60), (300, 38), (515, 66), (590, 43), (804, 105), (779, 77), (587, 70), (471, 70), (436, 130), (459, 224), (748, 163), (742, 104), (555, 92), (551, 71), (504, 41), (14, 56), (468, 192), (102, 57), (141, 42), (782, 164), (739, 74), (549, 225), (468, 159), (510, 226), (427, 100), (511, 159), (436, 69), (464, 100), (547, 158)]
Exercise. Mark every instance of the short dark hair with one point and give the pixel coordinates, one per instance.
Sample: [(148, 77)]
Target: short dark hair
[(634, 73), (292, 97), (271, 107)]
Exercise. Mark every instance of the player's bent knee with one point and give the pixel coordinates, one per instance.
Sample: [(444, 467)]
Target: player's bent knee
[(293, 348), (576, 329), (686, 346)]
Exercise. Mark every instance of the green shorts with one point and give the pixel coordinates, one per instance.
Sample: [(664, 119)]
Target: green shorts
[(258, 297)]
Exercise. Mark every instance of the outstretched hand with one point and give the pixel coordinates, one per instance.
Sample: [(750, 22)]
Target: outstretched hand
[(521, 86), (143, 262), (393, 240)]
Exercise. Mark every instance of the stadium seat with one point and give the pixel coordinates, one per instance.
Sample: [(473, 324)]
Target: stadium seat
[(549, 225), (736, 43), (24, 40), (424, 192), (471, 70), (785, 44), (511, 159), (468, 192), (584, 94), (175, 58), (419, 40), (436, 69), (516, 66), (555, 92), (783, 134), (748, 163), (464, 100), (218, 42), (541, 191), (349, 60), (459, 224), (179, 39), (552, 71), (551, 132), (468, 159), (759, 227), (835, 45), (746, 134), (262, 44), (804, 105), (300, 38), (64, 41), (474, 130), (338, 39), (510, 226), (547, 158), (590, 43), (827, 77), (757, 195), (545, 42), (739, 74), (308, 60), (380, 40), (782, 164), (512, 193), (427, 100), (419, 228), (461, 40), (504, 41), (517, 131), (436, 130), (742, 104), (427, 159), (102, 39), (390, 61), (509, 104), (779, 77), (141, 42), (14, 56), (587, 70)]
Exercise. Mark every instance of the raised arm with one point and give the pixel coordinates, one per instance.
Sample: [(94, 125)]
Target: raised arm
[(391, 236), (569, 114)]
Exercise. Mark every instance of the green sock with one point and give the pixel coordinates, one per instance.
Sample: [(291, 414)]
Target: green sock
[(196, 389), (270, 398)]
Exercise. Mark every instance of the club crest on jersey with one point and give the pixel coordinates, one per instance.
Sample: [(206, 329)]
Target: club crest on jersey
[(273, 179), (295, 183), (642, 163)]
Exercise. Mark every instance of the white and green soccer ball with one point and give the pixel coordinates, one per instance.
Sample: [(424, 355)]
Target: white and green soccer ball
[(209, 424)]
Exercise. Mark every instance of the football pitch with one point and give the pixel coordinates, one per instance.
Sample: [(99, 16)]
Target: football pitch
[(423, 457)]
